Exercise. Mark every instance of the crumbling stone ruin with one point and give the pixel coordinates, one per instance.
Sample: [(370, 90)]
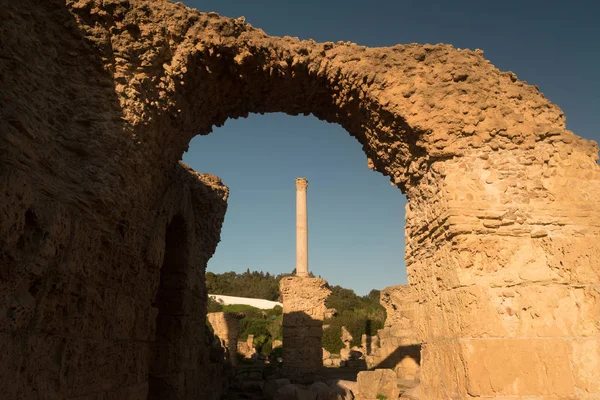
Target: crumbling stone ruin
[(399, 347), (105, 235), (303, 313), (247, 348), (226, 326)]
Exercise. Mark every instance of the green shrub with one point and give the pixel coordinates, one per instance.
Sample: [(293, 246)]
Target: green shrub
[(275, 329), (276, 311), (357, 322), (213, 306), (331, 339), (251, 326), (259, 285), (265, 328), (249, 311)]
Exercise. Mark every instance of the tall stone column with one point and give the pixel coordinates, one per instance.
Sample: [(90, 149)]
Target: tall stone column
[(301, 228)]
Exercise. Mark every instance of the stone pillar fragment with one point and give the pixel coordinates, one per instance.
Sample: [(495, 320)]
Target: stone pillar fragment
[(226, 325), (303, 313), (399, 348), (301, 228)]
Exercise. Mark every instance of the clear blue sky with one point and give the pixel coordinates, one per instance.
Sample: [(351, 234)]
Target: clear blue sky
[(356, 218)]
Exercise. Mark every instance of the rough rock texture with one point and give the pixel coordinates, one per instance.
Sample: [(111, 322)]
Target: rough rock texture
[(90, 311), (99, 100), (369, 344), (399, 347), (303, 313), (247, 348), (346, 337), (374, 384), (226, 326)]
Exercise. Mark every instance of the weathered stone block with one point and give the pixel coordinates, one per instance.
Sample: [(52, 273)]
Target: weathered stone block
[(439, 370), (504, 367), (303, 312), (372, 384), (584, 359)]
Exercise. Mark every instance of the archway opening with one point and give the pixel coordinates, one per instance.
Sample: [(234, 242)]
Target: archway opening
[(164, 357), (356, 218)]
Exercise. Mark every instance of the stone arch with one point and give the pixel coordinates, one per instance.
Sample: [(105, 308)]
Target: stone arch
[(502, 220), (465, 142)]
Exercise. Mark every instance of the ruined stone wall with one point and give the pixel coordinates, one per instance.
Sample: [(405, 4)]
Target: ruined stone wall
[(100, 99), (85, 279), (509, 296), (84, 317), (399, 347), (303, 313), (226, 326), (80, 322)]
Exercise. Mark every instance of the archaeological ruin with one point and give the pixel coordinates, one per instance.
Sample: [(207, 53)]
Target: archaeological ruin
[(226, 327), (105, 234)]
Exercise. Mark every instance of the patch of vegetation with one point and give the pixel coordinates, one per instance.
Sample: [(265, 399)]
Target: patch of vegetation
[(265, 325), (214, 306), (359, 314), (257, 285)]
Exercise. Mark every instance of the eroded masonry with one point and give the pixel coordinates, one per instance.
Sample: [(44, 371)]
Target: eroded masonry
[(105, 236)]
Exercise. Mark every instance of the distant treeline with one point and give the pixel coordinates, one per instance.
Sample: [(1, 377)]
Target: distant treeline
[(256, 285), (359, 314)]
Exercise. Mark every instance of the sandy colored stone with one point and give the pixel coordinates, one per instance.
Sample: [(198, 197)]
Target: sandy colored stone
[(97, 107), (301, 228), (346, 337), (369, 344), (303, 313), (226, 326), (379, 382), (399, 347), (492, 368), (345, 354)]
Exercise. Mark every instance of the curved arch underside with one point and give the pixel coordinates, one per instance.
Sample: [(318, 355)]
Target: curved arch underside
[(503, 220), (408, 105)]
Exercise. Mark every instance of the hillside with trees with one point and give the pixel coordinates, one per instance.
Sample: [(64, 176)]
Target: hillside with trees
[(359, 314), (255, 284)]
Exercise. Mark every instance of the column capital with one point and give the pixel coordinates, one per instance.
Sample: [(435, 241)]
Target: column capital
[(301, 183)]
